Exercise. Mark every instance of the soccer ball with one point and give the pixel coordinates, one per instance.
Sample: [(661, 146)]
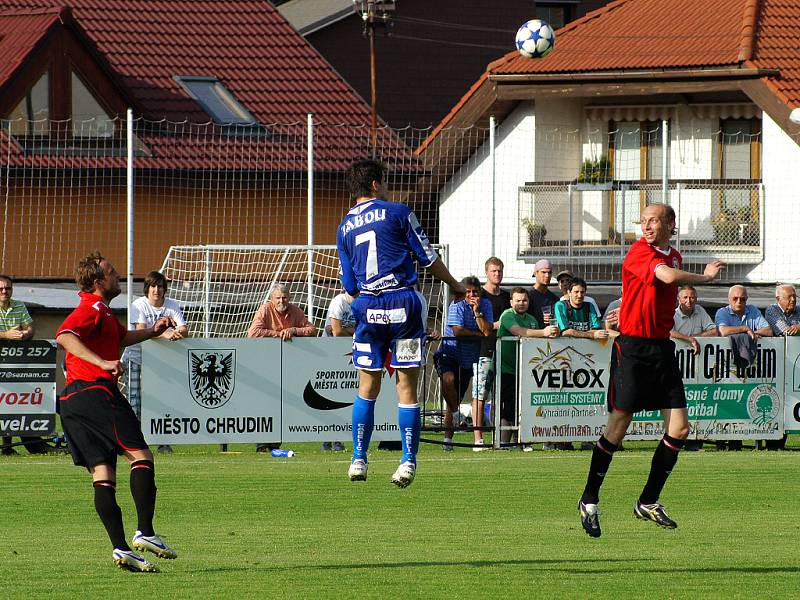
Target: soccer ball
[(536, 39)]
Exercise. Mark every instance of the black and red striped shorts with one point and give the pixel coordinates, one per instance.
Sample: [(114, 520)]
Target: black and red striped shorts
[(99, 423), (644, 375)]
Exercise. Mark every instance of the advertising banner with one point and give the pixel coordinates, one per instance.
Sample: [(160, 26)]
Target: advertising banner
[(726, 402), (792, 385), (319, 387), (217, 390), (27, 387), (564, 383)]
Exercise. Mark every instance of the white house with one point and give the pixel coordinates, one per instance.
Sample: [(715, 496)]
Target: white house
[(720, 81)]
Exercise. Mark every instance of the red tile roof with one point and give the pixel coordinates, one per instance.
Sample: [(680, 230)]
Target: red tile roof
[(627, 36), (246, 44), (19, 35), (777, 46), (644, 34)]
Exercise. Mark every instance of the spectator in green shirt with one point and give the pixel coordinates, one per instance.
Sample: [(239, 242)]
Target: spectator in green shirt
[(16, 325), (576, 318), (515, 321)]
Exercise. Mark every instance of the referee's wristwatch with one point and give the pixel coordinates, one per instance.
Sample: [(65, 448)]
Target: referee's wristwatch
[(478, 315)]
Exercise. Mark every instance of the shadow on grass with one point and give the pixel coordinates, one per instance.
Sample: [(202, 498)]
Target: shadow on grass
[(423, 564), (586, 568)]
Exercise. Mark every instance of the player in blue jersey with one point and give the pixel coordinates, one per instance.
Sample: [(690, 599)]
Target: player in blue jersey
[(378, 242)]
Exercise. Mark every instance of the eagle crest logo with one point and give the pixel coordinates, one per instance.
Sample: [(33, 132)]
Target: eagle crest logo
[(211, 376)]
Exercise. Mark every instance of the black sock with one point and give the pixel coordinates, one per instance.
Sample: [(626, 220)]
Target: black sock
[(105, 503), (664, 459), (143, 490), (601, 459)]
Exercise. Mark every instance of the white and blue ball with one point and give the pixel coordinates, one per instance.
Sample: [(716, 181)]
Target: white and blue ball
[(536, 39)]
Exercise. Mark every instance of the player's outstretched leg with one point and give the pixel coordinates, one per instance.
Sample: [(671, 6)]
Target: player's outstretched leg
[(602, 454), (654, 512), (408, 418), (143, 490), (131, 561), (664, 459), (363, 423)]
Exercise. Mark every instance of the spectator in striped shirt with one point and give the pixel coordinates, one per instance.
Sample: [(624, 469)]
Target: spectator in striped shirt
[(16, 325), (784, 315)]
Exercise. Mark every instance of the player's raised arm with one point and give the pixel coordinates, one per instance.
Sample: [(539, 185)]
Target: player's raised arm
[(136, 336), (427, 256), (440, 271), (671, 275)]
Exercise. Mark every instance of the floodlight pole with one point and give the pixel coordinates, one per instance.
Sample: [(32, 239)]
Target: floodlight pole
[(373, 81), (374, 13)]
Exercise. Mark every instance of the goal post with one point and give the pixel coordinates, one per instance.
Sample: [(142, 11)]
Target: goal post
[(220, 287)]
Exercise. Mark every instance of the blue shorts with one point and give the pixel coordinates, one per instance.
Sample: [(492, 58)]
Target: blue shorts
[(393, 321)]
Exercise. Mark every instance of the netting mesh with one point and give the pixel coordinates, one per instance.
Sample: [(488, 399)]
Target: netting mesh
[(220, 288), (570, 192)]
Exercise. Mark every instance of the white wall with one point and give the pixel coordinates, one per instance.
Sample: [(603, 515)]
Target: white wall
[(780, 166), (465, 206), (548, 141)]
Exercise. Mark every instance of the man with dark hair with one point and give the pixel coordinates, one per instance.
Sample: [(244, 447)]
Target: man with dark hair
[(644, 369), (145, 311), (377, 241), (576, 318), (97, 418), (469, 320)]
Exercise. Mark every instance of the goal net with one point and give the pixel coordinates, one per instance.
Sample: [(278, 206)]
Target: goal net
[(220, 288)]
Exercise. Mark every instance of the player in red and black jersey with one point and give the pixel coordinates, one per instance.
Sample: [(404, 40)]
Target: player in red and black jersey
[(98, 421), (644, 370)]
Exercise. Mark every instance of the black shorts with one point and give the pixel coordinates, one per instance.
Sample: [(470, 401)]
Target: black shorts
[(508, 397), (644, 375), (99, 423), (448, 364)]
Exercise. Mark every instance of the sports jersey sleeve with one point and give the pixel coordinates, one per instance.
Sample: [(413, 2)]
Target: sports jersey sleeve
[(594, 320), (644, 262), (122, 331), (418, 240), (80, 322), (346, 274), (560, 311)]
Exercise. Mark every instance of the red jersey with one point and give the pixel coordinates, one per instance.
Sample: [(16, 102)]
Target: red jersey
[(99, 330), (648, 304)]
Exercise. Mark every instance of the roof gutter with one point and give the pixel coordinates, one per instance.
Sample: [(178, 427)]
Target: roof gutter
[(618, 76)]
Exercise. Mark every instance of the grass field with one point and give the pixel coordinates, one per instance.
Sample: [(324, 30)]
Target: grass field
[(489, 525)]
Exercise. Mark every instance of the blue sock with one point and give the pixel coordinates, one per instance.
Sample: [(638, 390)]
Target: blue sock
[(408, 420), (363, 421)]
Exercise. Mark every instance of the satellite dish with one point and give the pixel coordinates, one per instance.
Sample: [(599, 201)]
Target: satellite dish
[(794, 116)]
